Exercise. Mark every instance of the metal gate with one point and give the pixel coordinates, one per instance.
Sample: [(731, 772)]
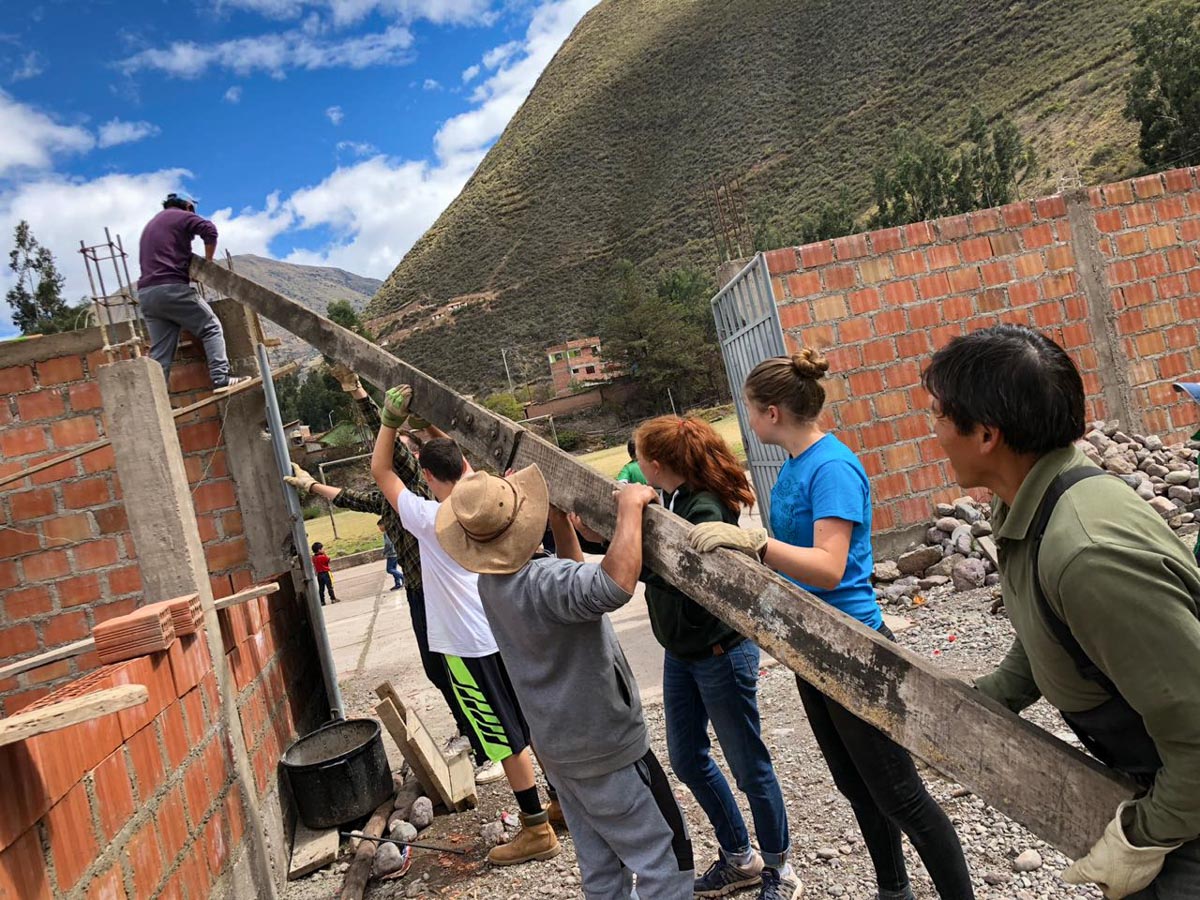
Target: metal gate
[(749, 331)]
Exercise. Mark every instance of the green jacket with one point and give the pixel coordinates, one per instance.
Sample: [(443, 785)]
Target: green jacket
[(681, 624), (631, 472), (1129, 590)]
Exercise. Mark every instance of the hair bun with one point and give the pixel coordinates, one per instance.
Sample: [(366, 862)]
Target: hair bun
[(810, 363)]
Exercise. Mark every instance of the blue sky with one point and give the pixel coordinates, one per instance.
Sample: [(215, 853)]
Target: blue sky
[(330, 132)]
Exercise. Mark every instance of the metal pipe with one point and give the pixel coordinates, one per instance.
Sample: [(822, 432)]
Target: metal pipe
[(328, 503), (383, 840), (300, 539)]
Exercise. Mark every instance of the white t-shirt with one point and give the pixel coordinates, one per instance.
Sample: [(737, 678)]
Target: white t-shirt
[(456, 621)]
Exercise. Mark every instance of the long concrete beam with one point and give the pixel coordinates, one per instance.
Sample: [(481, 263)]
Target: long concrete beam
[(1060, 794)]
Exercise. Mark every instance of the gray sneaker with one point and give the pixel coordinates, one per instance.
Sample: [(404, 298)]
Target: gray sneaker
[(234, 381), (724, 878)]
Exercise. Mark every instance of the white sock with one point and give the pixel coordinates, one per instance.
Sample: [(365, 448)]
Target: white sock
[(785, 871)]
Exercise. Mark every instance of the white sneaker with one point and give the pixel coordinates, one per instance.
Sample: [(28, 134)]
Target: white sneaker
[(487, 773), (234, 381)]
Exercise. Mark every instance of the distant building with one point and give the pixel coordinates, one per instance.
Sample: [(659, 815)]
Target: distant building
[(578, 362)]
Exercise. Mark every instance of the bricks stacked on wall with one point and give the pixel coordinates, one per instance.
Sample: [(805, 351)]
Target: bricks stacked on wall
[(880, 303), (1149, 228), (134, 804), (67, 560)]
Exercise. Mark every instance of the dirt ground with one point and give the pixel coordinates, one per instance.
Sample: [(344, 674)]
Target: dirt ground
[(820, 819)]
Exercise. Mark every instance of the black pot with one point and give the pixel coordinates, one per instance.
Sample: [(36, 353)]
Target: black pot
[(339, 772)]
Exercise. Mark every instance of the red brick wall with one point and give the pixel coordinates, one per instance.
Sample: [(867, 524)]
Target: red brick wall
[(67, 559), (881, 303), (144, 803)]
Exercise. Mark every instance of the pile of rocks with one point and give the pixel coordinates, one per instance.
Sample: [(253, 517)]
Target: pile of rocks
[(959, 553)]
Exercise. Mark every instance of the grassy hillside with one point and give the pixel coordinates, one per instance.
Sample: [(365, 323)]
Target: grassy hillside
[(608, 156)]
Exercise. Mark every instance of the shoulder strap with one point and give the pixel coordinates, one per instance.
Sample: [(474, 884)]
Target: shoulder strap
[(1083, 664)]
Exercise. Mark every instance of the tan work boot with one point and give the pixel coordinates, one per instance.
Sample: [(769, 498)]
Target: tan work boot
[(535, 840), (555, 814)]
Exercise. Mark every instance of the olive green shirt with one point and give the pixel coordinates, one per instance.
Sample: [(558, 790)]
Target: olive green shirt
[(1128, 589)]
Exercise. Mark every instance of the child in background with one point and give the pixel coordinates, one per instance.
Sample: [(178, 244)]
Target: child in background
[(324, 579), (391, 561), (631, 472)]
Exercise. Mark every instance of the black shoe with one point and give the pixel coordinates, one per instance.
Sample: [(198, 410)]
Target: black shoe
[(395, 587)]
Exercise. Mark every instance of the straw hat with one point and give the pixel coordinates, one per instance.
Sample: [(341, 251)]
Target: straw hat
[(491, 525)]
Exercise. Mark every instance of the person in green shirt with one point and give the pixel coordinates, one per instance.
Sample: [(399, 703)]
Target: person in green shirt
[(1104, 605), (631, 472)]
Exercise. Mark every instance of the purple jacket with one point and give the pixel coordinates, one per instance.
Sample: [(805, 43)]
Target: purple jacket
[(166, 248)]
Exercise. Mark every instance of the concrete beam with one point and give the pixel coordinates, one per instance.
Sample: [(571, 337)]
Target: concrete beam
[(162, 520)]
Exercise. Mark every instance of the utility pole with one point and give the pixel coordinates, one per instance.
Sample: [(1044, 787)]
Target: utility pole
[(508, 374)]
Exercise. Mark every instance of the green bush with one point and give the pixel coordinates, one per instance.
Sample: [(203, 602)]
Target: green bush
[(313, 511), (569, 440)]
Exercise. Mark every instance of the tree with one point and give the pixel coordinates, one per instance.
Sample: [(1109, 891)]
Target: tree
[(831, 220), (1163, 93), (923, 179), (660, 337), (36, 299), (507, 405), (342, 312), (312, 399)]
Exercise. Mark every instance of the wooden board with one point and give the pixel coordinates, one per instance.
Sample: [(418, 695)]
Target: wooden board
[(66, 651), (1063, 796), (453, 780), (251, 593), (73, 711), (398, 729), (85, 449), (312, 850)]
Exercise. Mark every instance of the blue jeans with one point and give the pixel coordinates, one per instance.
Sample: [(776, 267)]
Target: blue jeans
[(392, 564), (724, 690)]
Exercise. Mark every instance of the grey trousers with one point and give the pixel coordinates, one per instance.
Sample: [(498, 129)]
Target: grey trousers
[(1179, 878), (628, 822), (168, 308)]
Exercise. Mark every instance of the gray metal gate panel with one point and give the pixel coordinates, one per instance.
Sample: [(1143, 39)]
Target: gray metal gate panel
[(749, 331)]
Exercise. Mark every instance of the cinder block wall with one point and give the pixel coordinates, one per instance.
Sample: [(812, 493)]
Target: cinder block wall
[(1111, 273), (67, 560)]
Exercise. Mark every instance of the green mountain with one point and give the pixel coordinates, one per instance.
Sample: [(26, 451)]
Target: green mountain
[(610, 154)]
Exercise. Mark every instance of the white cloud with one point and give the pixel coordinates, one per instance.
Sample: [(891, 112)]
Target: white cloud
[(31, 67), (116, 132), (275, 54), (32, 139), (469, 74), (357, 148), (335, 115), (349, 12), (517, 66), (234, 94), (431, 84)]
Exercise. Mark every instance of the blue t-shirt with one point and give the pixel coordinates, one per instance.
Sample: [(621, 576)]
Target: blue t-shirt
[(827, 481)]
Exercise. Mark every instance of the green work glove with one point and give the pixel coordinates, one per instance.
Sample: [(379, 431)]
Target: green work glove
[(708, 536), (300, 480), (395, 406), (1115, 864)]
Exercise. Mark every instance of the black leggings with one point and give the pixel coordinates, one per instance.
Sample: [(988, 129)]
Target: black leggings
[(325, 583), (887, 795)]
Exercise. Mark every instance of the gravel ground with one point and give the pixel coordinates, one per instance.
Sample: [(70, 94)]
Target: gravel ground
[(822, 824)]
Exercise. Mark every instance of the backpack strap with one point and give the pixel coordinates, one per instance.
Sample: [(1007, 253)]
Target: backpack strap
[(1083, 664)]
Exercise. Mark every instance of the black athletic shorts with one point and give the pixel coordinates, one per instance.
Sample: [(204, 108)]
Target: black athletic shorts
[(487, 699)]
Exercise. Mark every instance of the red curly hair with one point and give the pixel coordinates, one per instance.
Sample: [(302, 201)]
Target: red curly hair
[(692, 448)]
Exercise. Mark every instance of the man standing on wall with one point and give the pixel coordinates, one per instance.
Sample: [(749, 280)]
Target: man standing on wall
[(169, 302), (1104, 598)]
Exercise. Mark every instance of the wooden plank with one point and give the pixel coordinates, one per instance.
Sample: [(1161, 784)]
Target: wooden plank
[(385, 691), (311, 850), (72, 711), (398, 729), (85, 449), (454, 785), (66, 651), (484, 434), (461, 769), (251, 593), (364, 856), (1063, 796)]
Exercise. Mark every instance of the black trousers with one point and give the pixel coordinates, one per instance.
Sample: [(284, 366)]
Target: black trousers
[(433, 663), (325, 583), (887, 795)]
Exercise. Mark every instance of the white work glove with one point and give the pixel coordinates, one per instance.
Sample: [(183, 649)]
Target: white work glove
[(708, 536), (300, 480), (346, 378), (1118, 867)]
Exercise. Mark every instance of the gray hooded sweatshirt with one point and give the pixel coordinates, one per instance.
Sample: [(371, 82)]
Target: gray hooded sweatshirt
[(568, 669)]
